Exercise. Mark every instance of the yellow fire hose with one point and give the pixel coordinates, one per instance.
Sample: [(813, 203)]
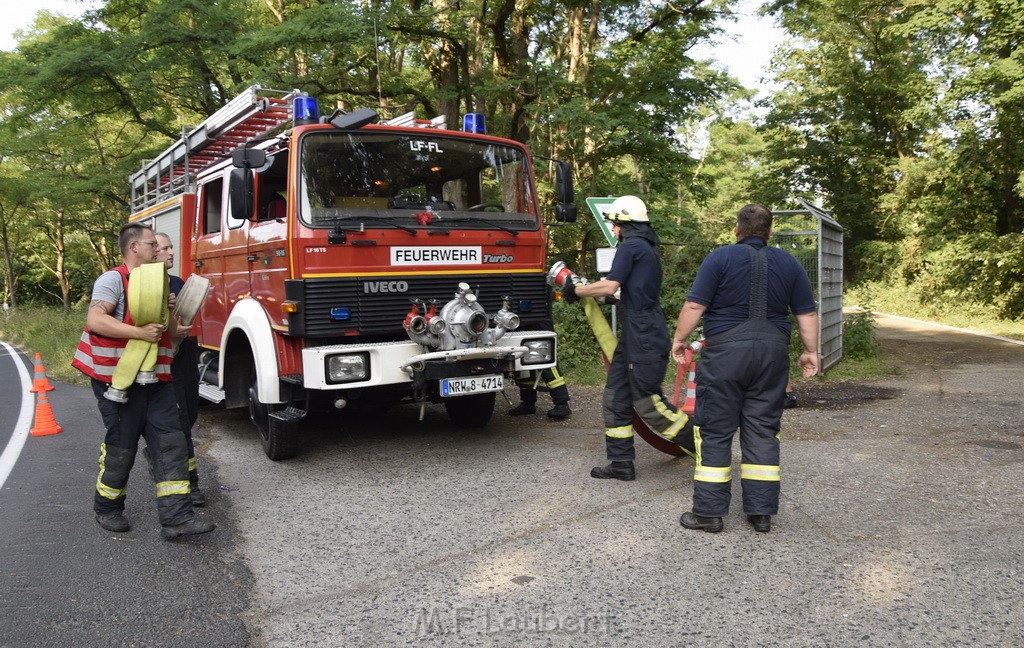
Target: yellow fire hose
[(599, 325), (147, 303), (606, 340)]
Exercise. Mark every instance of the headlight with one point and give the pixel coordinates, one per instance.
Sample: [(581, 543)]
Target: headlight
[(348, 368), (539, 351)]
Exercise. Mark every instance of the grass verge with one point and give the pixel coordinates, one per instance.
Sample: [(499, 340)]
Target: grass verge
[(906, 301), (50, 332)]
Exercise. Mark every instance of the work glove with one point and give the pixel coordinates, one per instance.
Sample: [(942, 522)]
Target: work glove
[(569, 293)]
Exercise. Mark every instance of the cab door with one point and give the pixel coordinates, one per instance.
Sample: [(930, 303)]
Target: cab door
[(208, 255), (268, 239), (235, 254)]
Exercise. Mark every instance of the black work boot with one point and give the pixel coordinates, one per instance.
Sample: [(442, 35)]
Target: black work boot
[(761, 523), (622, 470), (523, 409), (698, 523), (790, 401), (198, 496), (115, 522), (559, 411), (190, 527)]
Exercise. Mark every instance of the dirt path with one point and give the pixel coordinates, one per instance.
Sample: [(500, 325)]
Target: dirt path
[(953, 384)]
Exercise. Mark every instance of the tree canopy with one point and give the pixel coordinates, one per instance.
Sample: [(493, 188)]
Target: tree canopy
[(904, 119)]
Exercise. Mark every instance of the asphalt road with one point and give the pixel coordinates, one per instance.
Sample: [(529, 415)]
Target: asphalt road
[(64, 581), (901, 525)]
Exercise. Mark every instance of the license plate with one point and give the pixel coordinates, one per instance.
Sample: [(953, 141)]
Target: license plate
[(474, 385)]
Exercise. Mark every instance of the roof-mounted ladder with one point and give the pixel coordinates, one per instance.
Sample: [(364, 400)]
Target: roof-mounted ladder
[(254, 113)]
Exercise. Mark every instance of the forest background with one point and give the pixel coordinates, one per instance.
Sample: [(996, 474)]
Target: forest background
[(904, 119)]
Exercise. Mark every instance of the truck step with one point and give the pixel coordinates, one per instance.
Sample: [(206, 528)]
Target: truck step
[(288, 415), (211, 392)]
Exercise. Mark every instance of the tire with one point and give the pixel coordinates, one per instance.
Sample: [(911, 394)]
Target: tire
[(470, 411), (279, 440)]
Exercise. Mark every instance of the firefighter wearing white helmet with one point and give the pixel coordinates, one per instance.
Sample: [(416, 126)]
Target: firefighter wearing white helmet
[(638, 365), (627, 209)]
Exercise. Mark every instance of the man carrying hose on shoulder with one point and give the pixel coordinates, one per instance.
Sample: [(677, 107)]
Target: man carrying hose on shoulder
[(134, 410)]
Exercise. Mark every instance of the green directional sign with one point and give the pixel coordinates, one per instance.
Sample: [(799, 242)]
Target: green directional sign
[(599, 207)]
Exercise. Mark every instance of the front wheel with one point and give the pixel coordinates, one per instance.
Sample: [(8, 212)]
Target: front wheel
[(470, 411), (277, 437)]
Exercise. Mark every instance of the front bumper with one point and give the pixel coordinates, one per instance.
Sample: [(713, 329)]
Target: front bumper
[(392, 363)]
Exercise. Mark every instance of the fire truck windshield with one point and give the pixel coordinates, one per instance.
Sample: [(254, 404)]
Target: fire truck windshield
[(392, 178)]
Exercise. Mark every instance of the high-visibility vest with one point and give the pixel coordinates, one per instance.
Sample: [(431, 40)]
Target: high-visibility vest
[(97, 355)]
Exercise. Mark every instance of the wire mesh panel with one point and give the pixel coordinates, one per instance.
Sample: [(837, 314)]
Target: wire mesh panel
[(816, 241)]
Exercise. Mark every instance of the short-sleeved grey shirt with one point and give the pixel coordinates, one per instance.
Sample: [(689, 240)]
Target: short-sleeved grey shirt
[(110, 288)]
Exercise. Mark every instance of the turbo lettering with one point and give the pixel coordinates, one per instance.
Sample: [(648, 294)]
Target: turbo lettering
[(498, 258), (385, 286), (435, 255)]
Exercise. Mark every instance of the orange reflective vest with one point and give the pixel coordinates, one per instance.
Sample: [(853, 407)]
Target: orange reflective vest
[(97, 355)]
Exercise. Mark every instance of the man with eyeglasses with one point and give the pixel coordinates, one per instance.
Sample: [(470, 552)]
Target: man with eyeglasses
[(150, 411)]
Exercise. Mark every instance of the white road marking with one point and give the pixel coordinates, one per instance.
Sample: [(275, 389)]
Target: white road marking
[(24, 424), (950, 328)]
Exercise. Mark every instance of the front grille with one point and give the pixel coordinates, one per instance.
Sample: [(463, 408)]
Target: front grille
[(382, 313)]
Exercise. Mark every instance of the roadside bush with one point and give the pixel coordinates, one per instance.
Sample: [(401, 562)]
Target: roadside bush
[(980, 268), (50, 332), (859, 341)]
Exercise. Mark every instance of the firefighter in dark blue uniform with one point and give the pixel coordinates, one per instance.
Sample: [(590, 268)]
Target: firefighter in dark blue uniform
[(744, 292), (638, 365), (185, 374)]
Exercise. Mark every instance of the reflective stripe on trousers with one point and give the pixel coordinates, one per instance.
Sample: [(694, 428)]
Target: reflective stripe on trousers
[(152, 412)]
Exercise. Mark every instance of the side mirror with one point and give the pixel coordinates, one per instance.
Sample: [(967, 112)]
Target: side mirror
[(248, 158), (565, 211), (240, 194), (563, 182)]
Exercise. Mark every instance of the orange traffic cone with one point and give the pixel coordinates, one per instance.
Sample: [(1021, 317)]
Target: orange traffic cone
[(45, 423), (690, 402), (40, 383)]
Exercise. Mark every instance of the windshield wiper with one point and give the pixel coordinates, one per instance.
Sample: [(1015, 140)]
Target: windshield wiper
[(376, 219), (484, 221)]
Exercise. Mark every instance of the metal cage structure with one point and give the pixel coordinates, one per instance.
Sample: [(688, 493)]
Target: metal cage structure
[(816, 240)]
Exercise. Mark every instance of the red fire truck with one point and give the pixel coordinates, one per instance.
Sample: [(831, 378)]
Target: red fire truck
[(354, 262)]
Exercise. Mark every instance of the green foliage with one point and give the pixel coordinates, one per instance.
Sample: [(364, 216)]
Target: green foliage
[(85, 100), (579, 356), (50, 332), (859, 341), (905, 120), (980, 269), (735, 173)]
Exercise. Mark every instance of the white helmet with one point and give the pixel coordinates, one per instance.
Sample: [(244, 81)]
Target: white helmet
[(627, 209)]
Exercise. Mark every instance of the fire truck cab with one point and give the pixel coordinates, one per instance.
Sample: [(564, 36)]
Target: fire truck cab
[(354, 262)]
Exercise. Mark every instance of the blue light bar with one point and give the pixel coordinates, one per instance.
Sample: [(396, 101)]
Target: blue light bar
[(305, 110), (473, 123), (341, 314)]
